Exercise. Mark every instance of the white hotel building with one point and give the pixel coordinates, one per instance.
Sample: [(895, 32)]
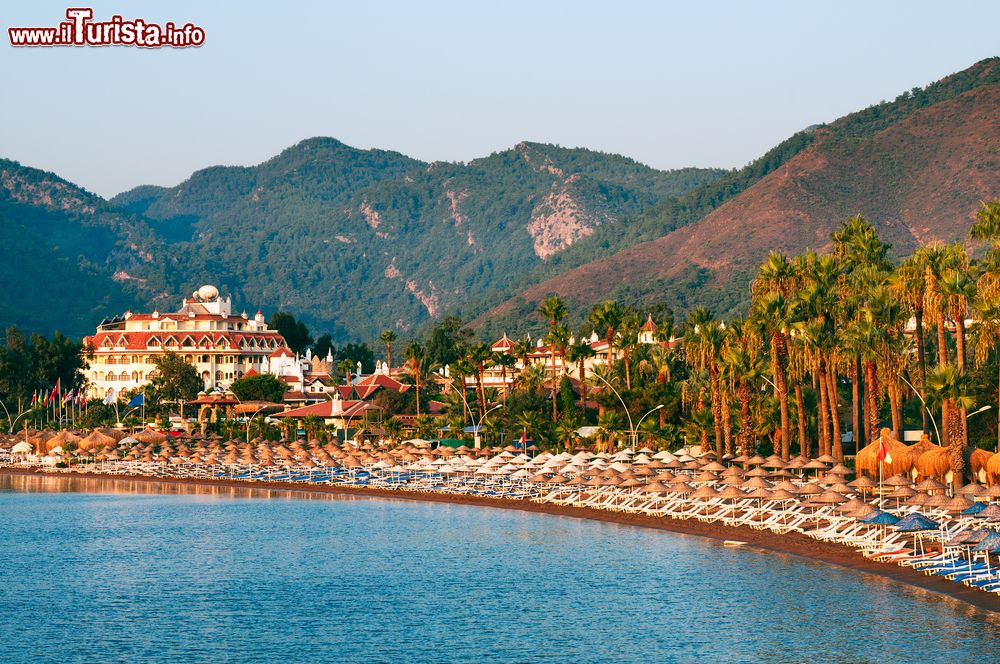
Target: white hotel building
[(204, 332)]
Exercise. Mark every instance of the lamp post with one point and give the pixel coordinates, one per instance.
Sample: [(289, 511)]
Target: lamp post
[(631, 428), (478, 439), (635, 434)]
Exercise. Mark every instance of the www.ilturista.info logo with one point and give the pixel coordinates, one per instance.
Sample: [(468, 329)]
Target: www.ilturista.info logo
[(81, 30)]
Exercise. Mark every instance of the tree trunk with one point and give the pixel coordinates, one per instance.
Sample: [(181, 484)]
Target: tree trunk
[(781, 385), (555, 411), (871, 399), (583, 388), (856, 405), (726, 425), (918, 314), (960, 342), (746, 421), (957, 446), (942, 363), (801, 408), (824, 415), (716, 411), (833, 398), (894, 411), (628, 375)]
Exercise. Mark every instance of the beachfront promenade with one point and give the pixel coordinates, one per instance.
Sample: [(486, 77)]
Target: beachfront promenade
[(898, 523)]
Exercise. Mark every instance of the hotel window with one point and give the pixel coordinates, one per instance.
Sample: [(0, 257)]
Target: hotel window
[(112, 359), (218, 375), (123, 377), (135, 375)]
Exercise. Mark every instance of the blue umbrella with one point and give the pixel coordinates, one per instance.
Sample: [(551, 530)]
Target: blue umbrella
[(975, 508), (914, 522), (990, 543), (881, 518)]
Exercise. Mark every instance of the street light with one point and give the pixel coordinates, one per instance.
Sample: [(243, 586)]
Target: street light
[(250, 420), (635, 442), (624, 406), (477, 439)]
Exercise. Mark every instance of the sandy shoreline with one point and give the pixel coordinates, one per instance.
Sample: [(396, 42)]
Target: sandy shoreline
[(790, 543)]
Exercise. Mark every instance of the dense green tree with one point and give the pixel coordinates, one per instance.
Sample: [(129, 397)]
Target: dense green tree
[(295, 332), (260, 387), (175, 381)]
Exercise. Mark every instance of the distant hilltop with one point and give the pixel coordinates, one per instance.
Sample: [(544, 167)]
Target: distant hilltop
[(354, 241)]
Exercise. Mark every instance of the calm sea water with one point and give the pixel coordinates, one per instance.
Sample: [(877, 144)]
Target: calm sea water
[(118, 571)]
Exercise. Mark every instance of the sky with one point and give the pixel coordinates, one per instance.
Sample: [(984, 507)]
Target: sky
[(671, 84)]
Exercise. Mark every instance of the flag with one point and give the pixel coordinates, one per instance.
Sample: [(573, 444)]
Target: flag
[(81, 398), (884, 455), (34, 398), (111, 398), (69, 396), (138, 400), (524, 439), (55, 390)]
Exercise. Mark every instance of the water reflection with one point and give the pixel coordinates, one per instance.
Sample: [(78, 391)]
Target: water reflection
[(74, 484)]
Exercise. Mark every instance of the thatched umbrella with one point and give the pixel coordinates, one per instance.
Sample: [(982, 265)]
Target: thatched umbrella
[(914, 451), (867, 461)]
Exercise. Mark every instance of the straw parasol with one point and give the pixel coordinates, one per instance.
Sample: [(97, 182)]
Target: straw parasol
[(867, 458)]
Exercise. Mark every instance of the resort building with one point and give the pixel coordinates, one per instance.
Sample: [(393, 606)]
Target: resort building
[(503, 378), (221, 346)]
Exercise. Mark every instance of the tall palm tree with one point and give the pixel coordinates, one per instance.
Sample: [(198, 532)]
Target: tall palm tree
[(909, 284), (506, 362), (776, 316), (704, 346), (387, 337), (746, 369), (957, 388), (958, 289), (628, 335), (416, 367), (606, 318), (986, 331), (479, 355), (578, 353), (557, 339)]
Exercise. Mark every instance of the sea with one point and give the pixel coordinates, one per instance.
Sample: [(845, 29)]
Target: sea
[(116, 570)]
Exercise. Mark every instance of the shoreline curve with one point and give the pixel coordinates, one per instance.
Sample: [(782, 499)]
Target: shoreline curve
[(794, 544)]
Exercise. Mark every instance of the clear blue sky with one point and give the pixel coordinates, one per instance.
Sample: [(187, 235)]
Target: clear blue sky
[(671, 84)]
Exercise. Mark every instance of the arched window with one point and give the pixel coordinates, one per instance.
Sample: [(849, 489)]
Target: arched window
[(218, 375), (110, 377), (124, 376), (135, 375), (112, 359)]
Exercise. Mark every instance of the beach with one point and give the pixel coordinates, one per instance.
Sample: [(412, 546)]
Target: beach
[(790, 543)]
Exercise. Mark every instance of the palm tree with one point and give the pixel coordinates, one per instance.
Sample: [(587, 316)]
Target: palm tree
[(909, 284), (566, 431), (958, 289), (478, 355), (387, 337), (704, 346), (393, 430), (579, 352), (424, 426), (416, 367), (606, 319), (987, 334), (557, 340), (957, 389), (775, 314), (505, 361), (346, 366), (745, 369)]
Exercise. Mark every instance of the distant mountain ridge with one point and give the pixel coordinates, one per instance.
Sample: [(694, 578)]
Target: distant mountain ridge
[(355, 241), (352, 240), (917, 167)]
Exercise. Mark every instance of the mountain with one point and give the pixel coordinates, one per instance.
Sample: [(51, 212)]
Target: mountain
[(916, 167), (61, 245), (359, 240), (351, 240)]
